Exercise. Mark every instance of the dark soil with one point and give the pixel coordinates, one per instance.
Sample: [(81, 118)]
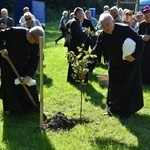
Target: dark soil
[(61, 122)]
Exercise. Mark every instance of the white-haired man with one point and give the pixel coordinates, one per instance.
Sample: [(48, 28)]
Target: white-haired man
[(106, 8), (125, 96), (5, 20), (21, 45), (22, 19), (115, 14)]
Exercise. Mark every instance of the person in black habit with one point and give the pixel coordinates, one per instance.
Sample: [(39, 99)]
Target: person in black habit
[(91, 38), (125, 95), (78, 37), (144, 32), (21, 46)]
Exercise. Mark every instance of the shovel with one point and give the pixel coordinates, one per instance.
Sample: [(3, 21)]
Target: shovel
[(23, 85)]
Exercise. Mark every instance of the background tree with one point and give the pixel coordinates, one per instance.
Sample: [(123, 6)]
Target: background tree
[(54, 8)]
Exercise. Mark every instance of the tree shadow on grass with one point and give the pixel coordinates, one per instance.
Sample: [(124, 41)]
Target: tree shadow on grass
[(23, 133), (46, 81), (138, 126), (91, 94), (111, 144)]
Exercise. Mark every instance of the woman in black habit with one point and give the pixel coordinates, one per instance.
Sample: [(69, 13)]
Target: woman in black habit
[(22, 48), (144, 31), (125, 96)]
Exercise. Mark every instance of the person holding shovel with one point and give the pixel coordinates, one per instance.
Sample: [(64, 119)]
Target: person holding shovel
[(22, 48)]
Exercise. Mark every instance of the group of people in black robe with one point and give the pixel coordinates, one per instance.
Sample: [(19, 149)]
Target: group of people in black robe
[(125, 96), (144, 31), (126, 76), (21, 47)]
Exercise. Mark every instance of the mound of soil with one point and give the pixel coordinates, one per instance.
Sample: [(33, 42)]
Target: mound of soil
[(61, 122)]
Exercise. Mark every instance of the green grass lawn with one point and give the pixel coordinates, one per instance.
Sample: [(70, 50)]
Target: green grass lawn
[(102, 133)]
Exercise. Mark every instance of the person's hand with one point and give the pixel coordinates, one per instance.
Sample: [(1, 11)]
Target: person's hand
[(4, 53), (146, 37), (3, 25), (26, 80), (86, 31), (130, 58), (85, 71), (69, 30)]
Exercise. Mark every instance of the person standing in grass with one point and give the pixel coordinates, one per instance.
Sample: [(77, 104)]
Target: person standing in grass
[(22, 47), (125, 95), (144, 31), (78, 37), (68, 32), (62, 26)]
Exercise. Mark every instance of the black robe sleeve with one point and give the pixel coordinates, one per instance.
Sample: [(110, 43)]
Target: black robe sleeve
[(3, 36), (24, 56), (87, 23), (97, 51), (77, 32)]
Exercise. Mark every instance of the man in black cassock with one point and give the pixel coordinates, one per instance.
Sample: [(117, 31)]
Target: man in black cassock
[(125, 95), (78, 37), (144, 32), (21, 46)]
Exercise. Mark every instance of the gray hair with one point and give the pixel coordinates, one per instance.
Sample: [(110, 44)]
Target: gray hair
[(77, 9), (4, 10), (37, 30), (64, 12), (106, 6), (25, 8), (105, 16), (71, 14), (114, 9), (28, 14)]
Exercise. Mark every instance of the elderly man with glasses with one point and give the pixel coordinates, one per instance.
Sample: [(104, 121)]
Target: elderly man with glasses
[(22, 48)]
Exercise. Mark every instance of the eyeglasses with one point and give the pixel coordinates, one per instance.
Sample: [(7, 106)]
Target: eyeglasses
[(128, 14), (26, 19)]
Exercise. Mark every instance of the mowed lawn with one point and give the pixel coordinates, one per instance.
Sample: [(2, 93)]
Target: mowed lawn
[(101, 133)]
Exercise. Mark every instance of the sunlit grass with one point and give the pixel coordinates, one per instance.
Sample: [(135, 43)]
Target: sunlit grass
[(102, 133)]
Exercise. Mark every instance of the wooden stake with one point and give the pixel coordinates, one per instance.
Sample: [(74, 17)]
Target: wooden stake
[(41, 45), (24, 86)]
